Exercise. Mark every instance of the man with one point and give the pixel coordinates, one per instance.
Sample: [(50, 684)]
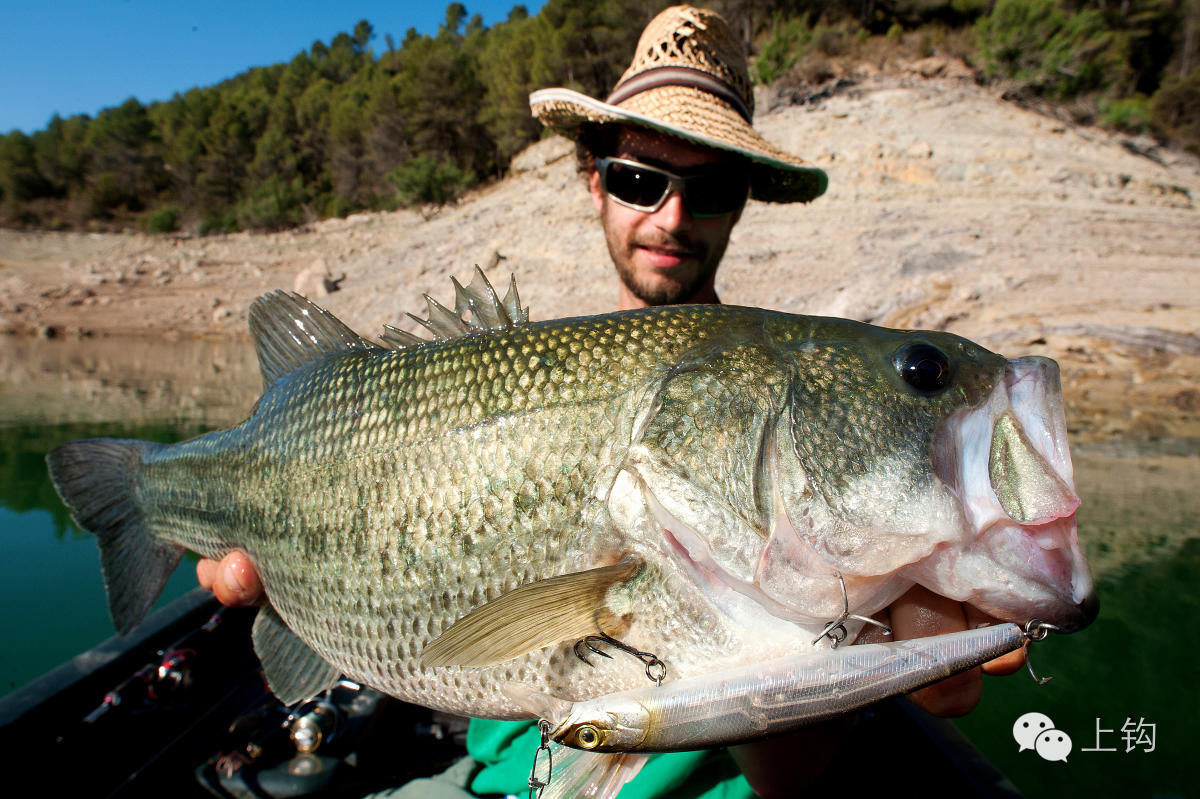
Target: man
[(670, 160)]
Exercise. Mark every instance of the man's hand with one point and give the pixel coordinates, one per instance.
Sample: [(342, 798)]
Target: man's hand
[(920, 613), (233, 579)]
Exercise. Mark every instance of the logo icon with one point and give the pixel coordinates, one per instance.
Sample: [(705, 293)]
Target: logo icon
[(1053, 745), (1029, 727), (1037, 732)]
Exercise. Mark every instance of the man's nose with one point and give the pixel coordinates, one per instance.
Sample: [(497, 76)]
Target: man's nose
[(673, 214)]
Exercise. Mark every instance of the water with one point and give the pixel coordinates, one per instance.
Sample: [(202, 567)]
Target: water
[(1140, 525), (1136, 665), (57, 391), (50, 571)]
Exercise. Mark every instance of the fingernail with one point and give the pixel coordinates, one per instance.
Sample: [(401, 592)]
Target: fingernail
[(233, 581)]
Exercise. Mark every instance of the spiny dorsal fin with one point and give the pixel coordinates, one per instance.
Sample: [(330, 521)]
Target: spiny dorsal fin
[(533, 616), (485, 308), (289, 331)]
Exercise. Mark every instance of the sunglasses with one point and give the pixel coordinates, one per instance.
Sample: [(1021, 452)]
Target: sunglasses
[(707, 194)]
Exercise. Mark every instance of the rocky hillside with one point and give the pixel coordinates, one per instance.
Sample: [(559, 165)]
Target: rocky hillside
[(948, 208)]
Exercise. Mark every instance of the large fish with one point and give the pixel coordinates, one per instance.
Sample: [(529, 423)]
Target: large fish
[(712, 485)]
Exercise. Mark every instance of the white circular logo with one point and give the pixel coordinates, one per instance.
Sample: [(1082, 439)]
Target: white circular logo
[(1053, 745), (1029, 727)]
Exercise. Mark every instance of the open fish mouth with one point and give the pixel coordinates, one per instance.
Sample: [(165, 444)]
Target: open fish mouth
[(1008, 463), (1006, 541)]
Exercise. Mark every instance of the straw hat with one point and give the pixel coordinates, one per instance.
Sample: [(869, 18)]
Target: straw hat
[(689, 79)]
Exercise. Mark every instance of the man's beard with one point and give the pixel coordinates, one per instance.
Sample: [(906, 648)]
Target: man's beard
[(669, 288)]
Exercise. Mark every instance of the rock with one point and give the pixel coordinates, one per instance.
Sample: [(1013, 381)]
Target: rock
[(930, 67), (918, 150), (490, 260), (541, 154), (316, 281)]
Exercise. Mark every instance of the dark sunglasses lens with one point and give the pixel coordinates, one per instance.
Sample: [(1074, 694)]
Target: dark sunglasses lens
[(717, 194), (635, 186)]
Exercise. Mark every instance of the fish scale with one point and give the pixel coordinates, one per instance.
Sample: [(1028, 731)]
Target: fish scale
[(440, 519)]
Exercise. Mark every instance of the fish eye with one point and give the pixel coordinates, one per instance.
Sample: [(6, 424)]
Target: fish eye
[(587, 736), (923, 367)]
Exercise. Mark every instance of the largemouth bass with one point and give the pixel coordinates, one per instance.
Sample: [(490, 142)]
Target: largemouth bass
[(711, 484)]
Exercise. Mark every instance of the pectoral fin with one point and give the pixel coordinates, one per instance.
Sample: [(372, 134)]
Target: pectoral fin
[(528, 618), (294, 672)]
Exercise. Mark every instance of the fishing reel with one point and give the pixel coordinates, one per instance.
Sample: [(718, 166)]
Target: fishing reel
[(339, 743), (313, 723), (173, 673)]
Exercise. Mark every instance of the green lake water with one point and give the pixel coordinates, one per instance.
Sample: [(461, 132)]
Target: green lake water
[(1140, 526)]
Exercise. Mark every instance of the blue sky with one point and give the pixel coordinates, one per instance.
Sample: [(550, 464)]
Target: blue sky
[(75, 57)]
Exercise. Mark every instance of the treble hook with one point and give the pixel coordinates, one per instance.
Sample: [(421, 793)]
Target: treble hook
[(1036, 630), (656, 670), (831, 629)]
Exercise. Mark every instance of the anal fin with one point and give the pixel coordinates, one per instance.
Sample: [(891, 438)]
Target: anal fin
[(592, 774), (294, 671), (528, 618)]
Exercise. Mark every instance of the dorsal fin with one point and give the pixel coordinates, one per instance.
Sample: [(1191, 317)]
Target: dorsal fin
[(487, 312), (289, 331)]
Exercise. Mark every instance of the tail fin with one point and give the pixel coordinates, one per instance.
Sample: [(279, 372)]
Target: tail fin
[(95, 479)]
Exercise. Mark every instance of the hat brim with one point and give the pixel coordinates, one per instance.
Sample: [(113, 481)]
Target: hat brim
[(694, 115)]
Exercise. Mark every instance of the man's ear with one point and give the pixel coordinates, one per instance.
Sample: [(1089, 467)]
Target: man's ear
[(596, 189)]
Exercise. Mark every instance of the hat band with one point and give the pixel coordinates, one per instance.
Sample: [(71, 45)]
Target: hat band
[(679, 76)]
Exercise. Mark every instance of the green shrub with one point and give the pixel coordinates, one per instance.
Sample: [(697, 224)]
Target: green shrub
[(969, 9), (830, 41), (925, 45), (787, 44), (164, 220), (221, 222), (274, 205), (895, 34), (1176, 109), (104, 196), (339, 206), (1127, 113), (427, 180), (1055, 53)]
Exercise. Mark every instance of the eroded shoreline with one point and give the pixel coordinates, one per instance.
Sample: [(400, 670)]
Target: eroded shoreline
[(947, 209)]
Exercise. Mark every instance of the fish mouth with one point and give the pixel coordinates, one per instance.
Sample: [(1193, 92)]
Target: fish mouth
[(1008, 464)]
